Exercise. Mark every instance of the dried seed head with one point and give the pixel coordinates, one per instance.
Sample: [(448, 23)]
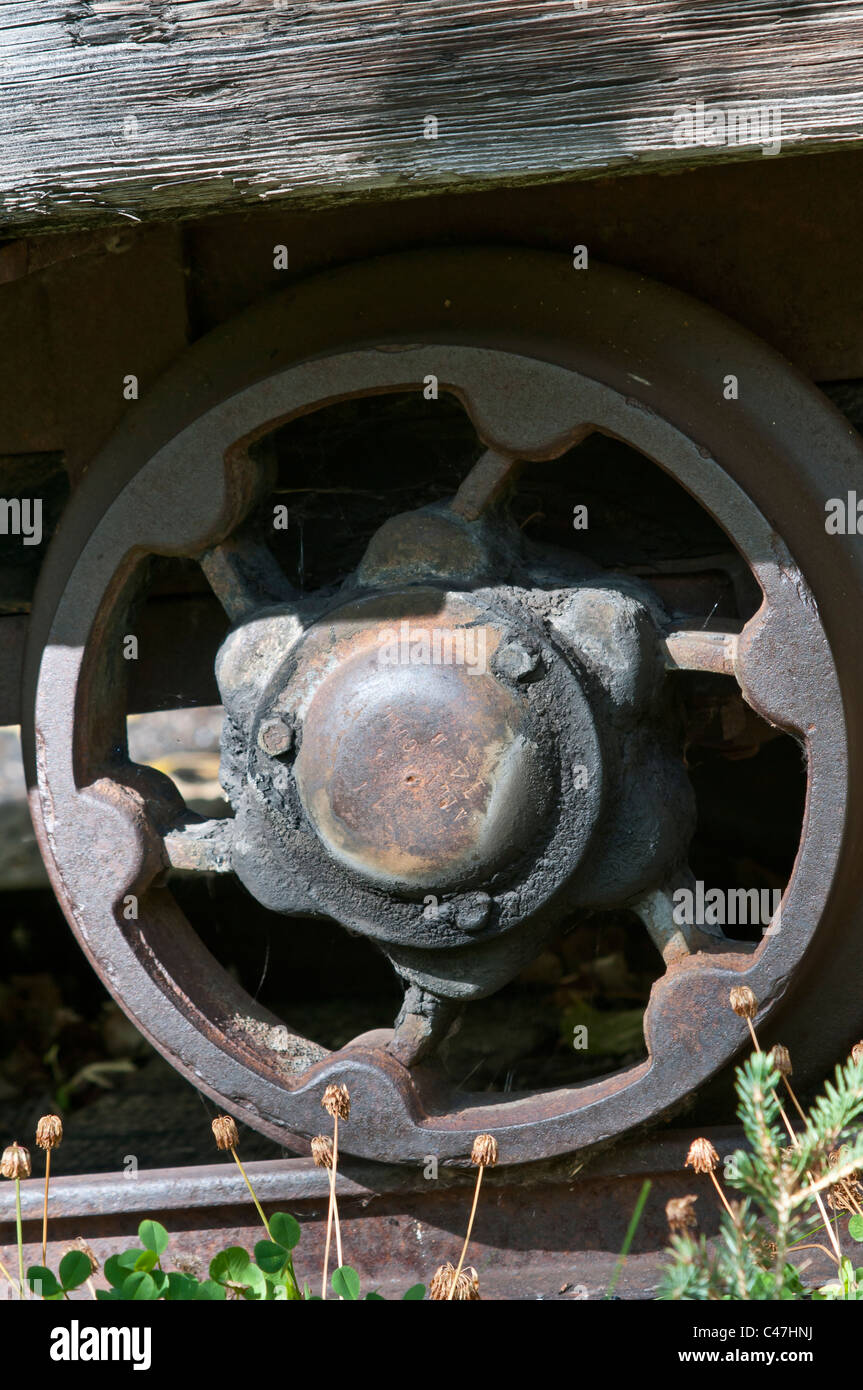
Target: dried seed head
[(49, 1132), (467, 1285), (79, 1243), (702, 1156), (840, 1155), (743, 1001), (15, 1162), (440, 1283), (844, 1196), (680, 1214), (337, 1102), (322, 1151), (846, 1193), (225, 1132), (857, 1053), (484, 1151), (781, 1059)]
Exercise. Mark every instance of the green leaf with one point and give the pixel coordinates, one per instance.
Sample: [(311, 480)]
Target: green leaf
[(415, 1292), (346, 1282), (146, 1260), (254, 1282), (74, 1269), (272, 1258), (230, 1265), (153, 1236), (209, 1291), (846, 1271), (629, 1237), (138, 1287), (374, 1297), (48, 1285), (118, 1267), (285, 1230), (182, 1288), (105, 1295), (855, 1228)]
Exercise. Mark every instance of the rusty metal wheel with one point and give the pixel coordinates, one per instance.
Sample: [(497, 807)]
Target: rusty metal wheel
[(453, 805)]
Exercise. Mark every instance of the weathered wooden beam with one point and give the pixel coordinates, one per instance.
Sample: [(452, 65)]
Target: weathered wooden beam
[(120, 108)]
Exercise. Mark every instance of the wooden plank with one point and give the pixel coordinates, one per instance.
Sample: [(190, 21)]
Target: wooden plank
[(118, 108)]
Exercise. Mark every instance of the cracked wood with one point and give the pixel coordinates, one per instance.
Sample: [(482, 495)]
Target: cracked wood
[(116, 108)]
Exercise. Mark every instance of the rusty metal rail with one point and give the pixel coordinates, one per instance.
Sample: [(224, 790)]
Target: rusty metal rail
[(542, 1232)]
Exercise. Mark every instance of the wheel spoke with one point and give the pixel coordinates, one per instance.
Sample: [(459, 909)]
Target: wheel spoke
[(202, 846), (693, 649), (486, 482), (675, 940), (245, 576)]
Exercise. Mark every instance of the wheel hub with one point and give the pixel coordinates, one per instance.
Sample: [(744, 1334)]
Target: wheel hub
[(418, 767), (443, 769)]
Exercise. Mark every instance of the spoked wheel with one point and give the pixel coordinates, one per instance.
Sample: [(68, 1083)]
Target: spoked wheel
[(468, 739)]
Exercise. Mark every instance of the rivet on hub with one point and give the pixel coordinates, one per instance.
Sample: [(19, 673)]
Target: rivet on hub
[(472, 911), (275, 737), (518, 661)]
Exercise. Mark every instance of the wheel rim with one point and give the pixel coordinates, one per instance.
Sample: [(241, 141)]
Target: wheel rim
[(523, 407)]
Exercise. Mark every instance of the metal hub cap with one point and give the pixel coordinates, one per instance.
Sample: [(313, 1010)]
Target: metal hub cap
[(430, 741), (417, 766)]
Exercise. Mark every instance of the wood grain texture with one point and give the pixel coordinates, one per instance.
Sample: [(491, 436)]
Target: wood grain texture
[(113, 108)]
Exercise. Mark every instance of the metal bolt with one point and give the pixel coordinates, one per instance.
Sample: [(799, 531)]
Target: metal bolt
[(275, 737), (518, 661), (472, 911)]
